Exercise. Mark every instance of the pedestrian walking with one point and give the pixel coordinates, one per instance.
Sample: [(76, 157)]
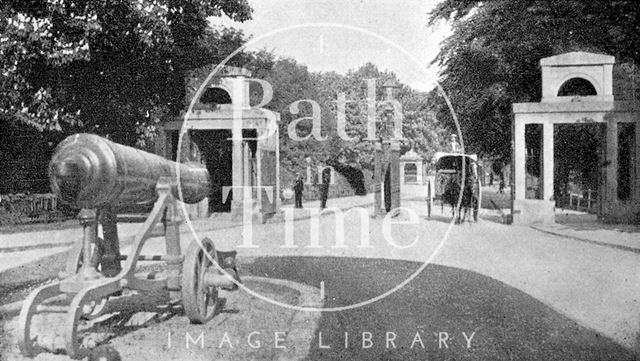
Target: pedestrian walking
[(298, 188)]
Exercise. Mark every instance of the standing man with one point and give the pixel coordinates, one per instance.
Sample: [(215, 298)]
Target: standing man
[(324, 186), (298, 188)]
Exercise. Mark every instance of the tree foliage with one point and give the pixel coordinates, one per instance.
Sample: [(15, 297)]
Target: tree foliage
[(105, 66), (293, 82)]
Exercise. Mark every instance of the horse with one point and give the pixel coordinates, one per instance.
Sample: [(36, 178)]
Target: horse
[(451, 196)]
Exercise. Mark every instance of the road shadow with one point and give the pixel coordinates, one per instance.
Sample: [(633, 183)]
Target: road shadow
[(458, 315)]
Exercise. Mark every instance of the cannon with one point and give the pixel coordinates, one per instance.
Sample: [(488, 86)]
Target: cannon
[(87, 171), (99, 176)]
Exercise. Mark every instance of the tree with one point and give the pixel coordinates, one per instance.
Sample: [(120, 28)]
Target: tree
[(292, 82), (106, 66), (491, 59)]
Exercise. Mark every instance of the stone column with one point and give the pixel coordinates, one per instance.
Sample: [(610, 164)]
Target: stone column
[(276, 192), (519, 151), (246, 176), (636, 165), (612, 165), (547, 159), (394, 161), (236, 155), (377, 179)]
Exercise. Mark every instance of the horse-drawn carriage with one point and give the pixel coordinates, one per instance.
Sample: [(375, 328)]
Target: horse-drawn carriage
[(456, 183)]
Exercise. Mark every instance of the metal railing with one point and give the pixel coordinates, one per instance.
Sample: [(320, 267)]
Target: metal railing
[(22, 208), (586, 201)]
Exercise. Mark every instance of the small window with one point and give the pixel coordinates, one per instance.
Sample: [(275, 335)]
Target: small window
[(410, 173), (577, 87)]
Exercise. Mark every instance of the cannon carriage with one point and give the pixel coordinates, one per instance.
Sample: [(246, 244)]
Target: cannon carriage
[(99, 176), (453, 170)]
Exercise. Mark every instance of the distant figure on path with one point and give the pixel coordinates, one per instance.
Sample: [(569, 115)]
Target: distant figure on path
[(324, 187), (298, 189)]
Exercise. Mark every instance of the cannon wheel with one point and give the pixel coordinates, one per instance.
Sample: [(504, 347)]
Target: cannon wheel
[(198, 300)]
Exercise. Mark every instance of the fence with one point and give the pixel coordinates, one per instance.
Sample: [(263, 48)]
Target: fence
[(586, 201), (31, 208)]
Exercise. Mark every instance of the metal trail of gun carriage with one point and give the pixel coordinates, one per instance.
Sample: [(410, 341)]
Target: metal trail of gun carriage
[(97, 175)]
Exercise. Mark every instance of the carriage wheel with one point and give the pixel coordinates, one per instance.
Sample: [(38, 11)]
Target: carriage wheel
[(199, 301)]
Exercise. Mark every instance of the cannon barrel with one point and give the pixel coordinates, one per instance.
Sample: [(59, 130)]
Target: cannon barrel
[(89, 171)]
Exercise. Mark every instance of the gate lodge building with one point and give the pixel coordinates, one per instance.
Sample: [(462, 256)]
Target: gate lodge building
[(618, 198), (238, 144)]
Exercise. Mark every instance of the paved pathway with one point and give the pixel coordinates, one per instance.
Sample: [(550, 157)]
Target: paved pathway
[(17, 249), (594, 284), (587, 228)]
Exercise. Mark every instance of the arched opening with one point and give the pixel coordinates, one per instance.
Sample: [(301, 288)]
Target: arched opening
[(354, 176), (577, 87), (410, 173), (215, 97)]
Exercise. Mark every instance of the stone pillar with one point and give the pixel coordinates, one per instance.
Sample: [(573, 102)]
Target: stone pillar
[(394, 164), (636, 165), (276, 192), (519, 160), (246, 176), (236, 154), (377, 179), (612, 165), (547, 159)]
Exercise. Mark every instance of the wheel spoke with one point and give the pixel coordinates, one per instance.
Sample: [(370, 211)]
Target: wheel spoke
[(198, 298), (203, 305)]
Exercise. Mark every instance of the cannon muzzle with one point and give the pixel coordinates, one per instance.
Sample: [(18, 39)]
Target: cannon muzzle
[(88, 171)]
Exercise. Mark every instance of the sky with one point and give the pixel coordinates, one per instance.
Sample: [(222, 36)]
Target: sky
[(339, 35)]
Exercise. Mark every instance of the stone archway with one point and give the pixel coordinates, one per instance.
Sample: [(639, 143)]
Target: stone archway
[(558, 107)]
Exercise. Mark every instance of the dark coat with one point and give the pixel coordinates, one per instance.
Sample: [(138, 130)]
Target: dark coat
[(299, 185)]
